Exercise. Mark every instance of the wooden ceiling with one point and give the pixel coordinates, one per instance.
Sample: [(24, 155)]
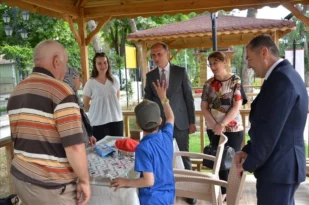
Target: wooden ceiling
[(97, 9), (81, 11)]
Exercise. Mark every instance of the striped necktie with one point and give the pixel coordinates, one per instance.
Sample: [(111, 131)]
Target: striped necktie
[(163, 78)]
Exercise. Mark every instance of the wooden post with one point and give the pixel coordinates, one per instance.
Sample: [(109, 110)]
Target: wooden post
[(9, 157), (229, 56), (202, 130), (126, 126), (243, 117), (83, 47), (144, 67)]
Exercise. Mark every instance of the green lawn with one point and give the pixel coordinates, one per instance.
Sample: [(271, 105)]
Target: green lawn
[(195, 143)]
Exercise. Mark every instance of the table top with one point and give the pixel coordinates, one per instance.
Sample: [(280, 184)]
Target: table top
[(104, 169)]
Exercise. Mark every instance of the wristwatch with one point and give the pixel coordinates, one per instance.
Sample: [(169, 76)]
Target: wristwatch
[(165, 100)]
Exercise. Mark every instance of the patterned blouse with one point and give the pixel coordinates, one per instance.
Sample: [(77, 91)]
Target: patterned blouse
[(219, 96)]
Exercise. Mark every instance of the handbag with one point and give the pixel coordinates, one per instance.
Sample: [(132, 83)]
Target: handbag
[(10, 200), (227, 156)]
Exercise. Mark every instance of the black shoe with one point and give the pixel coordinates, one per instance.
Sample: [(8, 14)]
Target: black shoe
[(191, 201)]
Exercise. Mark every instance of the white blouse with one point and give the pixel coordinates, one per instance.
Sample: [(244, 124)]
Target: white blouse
[(105, 106)]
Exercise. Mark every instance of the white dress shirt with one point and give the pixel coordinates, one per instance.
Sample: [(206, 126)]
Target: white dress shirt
[(272, 68), (167, 73)]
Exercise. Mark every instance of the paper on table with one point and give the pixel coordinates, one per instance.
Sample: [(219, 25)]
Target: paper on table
[(111, 143)]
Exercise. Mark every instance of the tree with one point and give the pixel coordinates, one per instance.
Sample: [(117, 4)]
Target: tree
[(247, 74)]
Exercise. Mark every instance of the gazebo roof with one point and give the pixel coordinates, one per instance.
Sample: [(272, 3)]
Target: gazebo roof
[(197, 32), (96, 9)]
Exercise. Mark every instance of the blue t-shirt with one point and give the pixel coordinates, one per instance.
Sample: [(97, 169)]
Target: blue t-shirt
[(155, 154)]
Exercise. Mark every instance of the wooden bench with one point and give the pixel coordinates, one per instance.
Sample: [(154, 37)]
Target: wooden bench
[(197, 164)]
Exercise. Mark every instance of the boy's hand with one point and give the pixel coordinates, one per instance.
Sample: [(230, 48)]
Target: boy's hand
[(161, 89), (92, 141), (119, 182)]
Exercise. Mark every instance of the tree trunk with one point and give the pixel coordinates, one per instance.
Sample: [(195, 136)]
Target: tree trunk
[(123, 41), (247, 73), (96, 44)]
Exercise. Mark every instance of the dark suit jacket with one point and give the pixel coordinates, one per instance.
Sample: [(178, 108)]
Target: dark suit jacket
[(278, 116), (179, 94)]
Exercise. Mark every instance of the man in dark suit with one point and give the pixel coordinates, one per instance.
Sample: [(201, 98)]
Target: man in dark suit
[(276, 150), (179, 93)]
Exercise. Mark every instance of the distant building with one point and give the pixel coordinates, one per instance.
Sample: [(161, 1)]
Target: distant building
[(8, 77)]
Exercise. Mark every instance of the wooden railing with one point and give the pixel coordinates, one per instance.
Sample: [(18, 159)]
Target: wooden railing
[(8, 146), (198, 114)]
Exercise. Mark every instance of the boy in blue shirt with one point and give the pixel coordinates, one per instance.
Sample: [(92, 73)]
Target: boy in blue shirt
[(154, 154)]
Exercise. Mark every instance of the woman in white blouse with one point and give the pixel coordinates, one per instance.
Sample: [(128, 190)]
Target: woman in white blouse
[(103, 89)]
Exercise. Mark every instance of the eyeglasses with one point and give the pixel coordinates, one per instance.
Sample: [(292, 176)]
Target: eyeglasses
[(214, 63)]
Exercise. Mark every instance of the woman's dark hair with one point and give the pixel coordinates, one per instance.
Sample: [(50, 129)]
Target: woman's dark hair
[(95, 72), (217, 55)]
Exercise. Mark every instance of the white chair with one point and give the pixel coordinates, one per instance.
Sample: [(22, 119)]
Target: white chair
[(215, 191), (200, 187)]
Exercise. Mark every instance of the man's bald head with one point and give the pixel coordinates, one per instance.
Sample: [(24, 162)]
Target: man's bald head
[(52, 56)]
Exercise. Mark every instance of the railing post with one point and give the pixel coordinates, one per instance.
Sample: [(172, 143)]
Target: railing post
[(126, 126), (202, 130), (243, 117), (9, 158)]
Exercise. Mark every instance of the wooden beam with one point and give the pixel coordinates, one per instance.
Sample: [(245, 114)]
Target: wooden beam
[(296, 12), (173, 56), (221, 35), (33, 9), (275, 36), (81, 3), (9, 150), (83, 47), (55, 5), (173, 6), (74, 31), (144, 67), (101, 23)]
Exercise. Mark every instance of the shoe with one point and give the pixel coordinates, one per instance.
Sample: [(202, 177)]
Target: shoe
[(191, 201)]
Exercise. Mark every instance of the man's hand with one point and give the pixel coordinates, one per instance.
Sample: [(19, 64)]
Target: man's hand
[(119, 182), (161, 89), (92, 141), (239, 160), (192, 128), (83, 193)]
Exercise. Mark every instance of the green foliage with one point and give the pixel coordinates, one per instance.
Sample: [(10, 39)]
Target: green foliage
[(3, 109), (237, 60), (22, 55), (39, 28)]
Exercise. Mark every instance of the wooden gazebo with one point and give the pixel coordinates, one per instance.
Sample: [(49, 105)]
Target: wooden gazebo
[(197, 33), (81, 11)]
